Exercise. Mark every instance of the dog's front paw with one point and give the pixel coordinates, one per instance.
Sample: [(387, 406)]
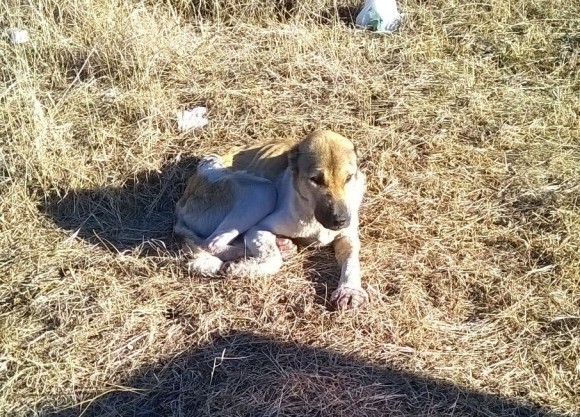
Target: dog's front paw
[(349, 298)]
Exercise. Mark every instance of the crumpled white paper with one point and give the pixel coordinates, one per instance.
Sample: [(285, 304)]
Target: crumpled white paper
[(192, 119)]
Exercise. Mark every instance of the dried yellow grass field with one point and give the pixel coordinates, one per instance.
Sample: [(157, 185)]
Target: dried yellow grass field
[(468, 124)]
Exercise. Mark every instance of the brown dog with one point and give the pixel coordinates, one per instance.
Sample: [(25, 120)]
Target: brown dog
[(309, 191)]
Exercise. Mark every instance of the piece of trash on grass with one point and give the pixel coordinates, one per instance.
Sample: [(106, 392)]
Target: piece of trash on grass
[(192, 119), (37, 110), (3, 364), (19, 35), (379, 15), (111, 95)]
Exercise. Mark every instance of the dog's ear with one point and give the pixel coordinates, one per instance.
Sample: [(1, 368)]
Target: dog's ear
[(362, 159), (293, 159)]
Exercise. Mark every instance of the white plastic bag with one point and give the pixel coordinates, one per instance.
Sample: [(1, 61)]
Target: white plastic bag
[(379, 15)]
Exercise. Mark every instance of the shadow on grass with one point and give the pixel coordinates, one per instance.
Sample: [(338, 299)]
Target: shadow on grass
[(321, 268), (344, 14), (347, 14), (245, 374), (138, 214)]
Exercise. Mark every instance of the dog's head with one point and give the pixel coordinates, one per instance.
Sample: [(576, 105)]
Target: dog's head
[(324, 166)]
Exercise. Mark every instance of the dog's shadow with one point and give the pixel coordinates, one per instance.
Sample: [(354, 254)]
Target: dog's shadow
[(320, 268), (136, 215)]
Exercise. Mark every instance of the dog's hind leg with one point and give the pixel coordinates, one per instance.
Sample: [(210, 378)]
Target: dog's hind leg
[(255, 199), (218, 206), (266, 256)]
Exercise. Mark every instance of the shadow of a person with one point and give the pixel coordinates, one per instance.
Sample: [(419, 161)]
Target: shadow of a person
[(245, 374)]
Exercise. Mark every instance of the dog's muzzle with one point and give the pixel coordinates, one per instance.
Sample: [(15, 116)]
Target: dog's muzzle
[(333, 216)]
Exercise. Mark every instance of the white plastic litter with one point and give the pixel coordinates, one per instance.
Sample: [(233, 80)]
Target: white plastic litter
[(379, 15), (111, 95), (192, 119), (37, 111), (19, 35), (3, 365)]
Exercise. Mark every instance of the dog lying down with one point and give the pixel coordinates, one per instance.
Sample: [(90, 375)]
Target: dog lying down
[(249, 206)]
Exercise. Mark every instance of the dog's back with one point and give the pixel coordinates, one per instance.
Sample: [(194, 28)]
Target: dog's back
[(268, 160)]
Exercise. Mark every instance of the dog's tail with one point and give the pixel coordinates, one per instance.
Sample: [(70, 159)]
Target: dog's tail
[(200, 261)]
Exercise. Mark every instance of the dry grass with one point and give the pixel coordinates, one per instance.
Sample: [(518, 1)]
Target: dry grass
[(468, 120)]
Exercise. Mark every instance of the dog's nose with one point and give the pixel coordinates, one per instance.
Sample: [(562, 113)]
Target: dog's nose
[(339, 222)]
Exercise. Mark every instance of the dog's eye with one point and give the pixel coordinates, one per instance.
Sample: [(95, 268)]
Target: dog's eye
[(318, 180), (349, 178)]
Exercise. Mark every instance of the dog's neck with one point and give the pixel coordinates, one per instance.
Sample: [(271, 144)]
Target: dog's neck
[(292, 201)]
